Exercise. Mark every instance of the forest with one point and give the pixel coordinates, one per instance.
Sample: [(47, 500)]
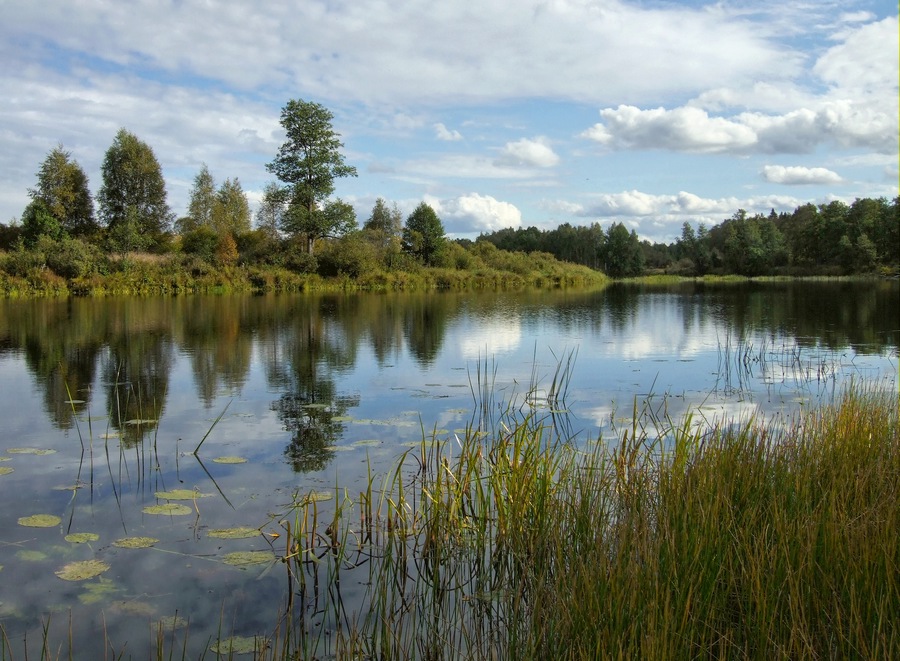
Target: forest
[(126, 239)]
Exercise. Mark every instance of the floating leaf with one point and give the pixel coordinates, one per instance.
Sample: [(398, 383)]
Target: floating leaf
[(181, 494), (239, 645), (80, 571), (366, 443), (137, 421), (74, 401), (110, 435), (97, 591), (230, 460), (172, 622), (342, 418), (31, 556), (175, 509), (242, 532), (339, 448), (36, 451), (40, 521), (318, 496), (135, 542), (6, 470), (244, 558), (5, 458), (82, 537)]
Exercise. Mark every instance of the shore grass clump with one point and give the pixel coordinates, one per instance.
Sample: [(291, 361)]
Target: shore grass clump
[(748, 541)]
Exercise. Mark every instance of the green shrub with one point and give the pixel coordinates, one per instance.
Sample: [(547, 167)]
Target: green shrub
[(201, 242)]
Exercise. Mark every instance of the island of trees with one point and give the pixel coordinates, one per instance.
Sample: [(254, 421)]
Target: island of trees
[(127, 240)]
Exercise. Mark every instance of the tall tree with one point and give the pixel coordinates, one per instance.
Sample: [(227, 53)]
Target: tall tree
[(132, 199), (624, 257), (231, 211), (202, 202), (308, 163), (423, 235), (63, 189)]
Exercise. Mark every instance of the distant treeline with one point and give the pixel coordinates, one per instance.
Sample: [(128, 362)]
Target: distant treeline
[(830, 239)]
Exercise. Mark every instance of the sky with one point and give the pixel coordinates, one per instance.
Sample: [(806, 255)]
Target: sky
[(496, 113)]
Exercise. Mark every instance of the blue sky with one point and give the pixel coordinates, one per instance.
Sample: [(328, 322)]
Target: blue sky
[(497, 113)]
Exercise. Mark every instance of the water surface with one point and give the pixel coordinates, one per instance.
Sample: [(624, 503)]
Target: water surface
[(106, 400)]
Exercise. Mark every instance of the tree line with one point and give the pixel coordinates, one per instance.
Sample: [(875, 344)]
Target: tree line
[(832, 238), (302, 227)]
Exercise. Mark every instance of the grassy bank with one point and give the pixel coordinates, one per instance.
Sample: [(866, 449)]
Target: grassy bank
[(751, 542), (28, 274)]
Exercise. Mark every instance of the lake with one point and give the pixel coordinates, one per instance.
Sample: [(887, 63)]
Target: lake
[(221, 408)]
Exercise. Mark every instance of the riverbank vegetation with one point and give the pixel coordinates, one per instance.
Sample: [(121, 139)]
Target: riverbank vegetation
[(674, 541), (305, 238)]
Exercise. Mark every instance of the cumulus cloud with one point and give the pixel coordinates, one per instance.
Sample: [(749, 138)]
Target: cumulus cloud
[(536, 153), (443, 133), (693, 130), (475, 213), (798, 175)]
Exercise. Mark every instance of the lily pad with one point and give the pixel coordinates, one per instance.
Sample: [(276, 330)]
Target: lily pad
[(6, 470), (181, 494), (319, 496), (230, 460), (29, 555), (82, 537), (40, 521), (174, 509), (98, 591), (36, 451), (172, 622), (245, 558), (242, 532), (238, 645), (81, 571), (135, 542)]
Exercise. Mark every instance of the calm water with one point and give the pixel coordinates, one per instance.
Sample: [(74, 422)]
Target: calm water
[(316, 389)]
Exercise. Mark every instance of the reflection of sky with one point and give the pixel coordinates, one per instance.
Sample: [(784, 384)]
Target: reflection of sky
[(661, 356)]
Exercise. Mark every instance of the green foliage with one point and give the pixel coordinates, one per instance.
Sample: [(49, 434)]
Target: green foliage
[(423, 234), (622, 251), (70, 258), (37, 221), (226, 250), (201, 242), (132, 199), (258, 247), (308, 162), (349, 255), (63, 189), (231, 211), (202, 203)]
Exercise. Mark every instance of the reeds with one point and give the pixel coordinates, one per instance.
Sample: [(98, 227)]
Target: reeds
[(747, 542)]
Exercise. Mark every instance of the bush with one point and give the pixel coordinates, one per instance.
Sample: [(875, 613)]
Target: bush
[(70, 258), (201, 242), (348, 256)]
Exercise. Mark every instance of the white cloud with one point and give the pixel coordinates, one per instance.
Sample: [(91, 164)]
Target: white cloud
[(375, 53), (443, 133), (475, 213), (682, 129), (798, 175), (536, 153)]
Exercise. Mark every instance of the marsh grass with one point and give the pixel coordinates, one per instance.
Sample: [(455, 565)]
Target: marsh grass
[(732, 541)]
